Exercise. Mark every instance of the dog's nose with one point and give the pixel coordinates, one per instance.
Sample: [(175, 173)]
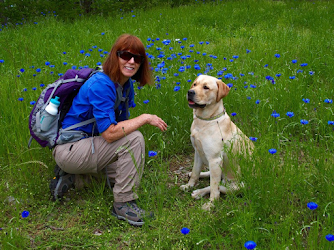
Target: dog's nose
[(191, 93)]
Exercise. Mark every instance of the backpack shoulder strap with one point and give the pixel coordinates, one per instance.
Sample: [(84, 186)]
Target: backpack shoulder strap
[(120, 98)]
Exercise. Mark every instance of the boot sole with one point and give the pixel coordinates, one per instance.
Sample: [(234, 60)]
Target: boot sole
[(131, 222)]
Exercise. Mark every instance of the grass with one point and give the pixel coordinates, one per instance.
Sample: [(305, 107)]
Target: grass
[(246, 43)]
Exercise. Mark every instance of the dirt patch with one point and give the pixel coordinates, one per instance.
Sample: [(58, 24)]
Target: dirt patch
[(179, 167)]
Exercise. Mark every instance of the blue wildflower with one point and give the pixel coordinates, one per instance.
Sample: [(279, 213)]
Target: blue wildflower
[(25, 214), (312, 205), (330, 237), (328, 101), (303, 64), (228, 75), (20, 99), (292, 77), (277, 55), (290, 114), (176, 88), (230, 85), (311, 72), (32, 103), (294, 61), (82, 51), (253, 138), (102, 33), (152, 153), (47, 63), (330, 122), (146, 101), (197, 67), (306, 100), (2, 61), (38, 70), (275, 114), (34, 88), (278, 75), (42, 85), (257, 101), (185, 230), (248, 51), (304, 122), (272, 151), (250, 244), (233, 114), (22, 70)]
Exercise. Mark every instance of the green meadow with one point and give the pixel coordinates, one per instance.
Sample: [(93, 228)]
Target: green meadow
[(276, 57)]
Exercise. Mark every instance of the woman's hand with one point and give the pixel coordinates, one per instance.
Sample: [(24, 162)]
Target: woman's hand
[(156, 121), (115, 132)]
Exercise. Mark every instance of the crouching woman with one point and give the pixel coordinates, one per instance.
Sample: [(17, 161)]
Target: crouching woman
[(115, 146)]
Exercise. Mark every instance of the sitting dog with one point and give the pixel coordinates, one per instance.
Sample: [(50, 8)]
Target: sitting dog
[(213, 136)]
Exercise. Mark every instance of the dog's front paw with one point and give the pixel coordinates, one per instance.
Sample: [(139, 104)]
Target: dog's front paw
[(234, 186), (184, 187), (207, 206), (197, 194)]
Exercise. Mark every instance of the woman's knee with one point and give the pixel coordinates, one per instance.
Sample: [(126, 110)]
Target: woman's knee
[(138, 136)]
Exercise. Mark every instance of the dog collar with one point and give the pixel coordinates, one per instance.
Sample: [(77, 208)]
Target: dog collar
[(212, 118)]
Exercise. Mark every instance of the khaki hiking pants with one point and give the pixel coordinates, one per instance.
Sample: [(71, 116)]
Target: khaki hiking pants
[(123, 160)]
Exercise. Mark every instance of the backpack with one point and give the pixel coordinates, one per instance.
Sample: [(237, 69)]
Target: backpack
[(66, 88)]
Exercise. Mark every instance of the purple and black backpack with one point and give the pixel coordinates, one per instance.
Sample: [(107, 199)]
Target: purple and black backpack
[(66, 89)]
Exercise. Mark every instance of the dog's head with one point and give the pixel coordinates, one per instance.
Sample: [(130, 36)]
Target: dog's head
[(206, 90)]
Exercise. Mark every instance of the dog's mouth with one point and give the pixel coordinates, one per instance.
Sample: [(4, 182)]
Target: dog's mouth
[(195, 105)]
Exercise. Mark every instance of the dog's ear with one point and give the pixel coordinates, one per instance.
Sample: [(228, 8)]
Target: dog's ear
[(223, 90)]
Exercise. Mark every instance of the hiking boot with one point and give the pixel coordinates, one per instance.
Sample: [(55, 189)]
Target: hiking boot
[(61, 183), (130, 212)]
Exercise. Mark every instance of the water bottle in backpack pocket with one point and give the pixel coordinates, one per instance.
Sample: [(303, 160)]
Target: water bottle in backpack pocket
[(49, 114)]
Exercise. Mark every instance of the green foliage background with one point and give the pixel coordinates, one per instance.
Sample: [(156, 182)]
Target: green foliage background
[(19, 11)]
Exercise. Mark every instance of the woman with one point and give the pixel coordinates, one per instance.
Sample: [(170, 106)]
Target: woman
[(119, 150)]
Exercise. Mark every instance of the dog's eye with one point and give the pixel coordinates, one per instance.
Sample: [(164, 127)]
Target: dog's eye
[(206, 87)]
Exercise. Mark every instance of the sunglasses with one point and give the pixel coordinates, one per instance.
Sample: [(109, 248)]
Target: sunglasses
[(125, 55)]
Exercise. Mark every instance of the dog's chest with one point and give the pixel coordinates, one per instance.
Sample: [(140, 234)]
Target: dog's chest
[(206, 140)]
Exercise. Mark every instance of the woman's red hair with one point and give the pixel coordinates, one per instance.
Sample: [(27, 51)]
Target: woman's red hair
[(133, 44)]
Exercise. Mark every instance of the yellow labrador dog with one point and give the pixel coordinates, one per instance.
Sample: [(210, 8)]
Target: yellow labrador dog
[(213, 135)]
